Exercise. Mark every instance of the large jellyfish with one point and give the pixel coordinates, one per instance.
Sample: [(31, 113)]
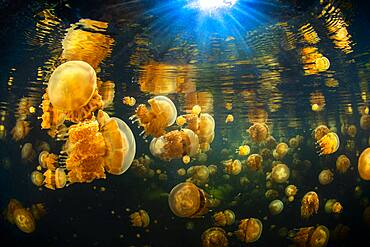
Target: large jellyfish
[(364, 164), (214, 237), (249, 230), (175, 144), (329, 143), (310, 204), (161, 114), (187, 200), (72, 91)]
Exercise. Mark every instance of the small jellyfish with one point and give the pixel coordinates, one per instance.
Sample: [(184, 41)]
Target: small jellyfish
[(333, 206), (27, 152), (276, 207), (24, 220), (280, 173), (342, 164), (290, 192), (187, 200), (364, 164), (55, 179), (249, 230), (258, 132), (293, 142), (38, 210), (161, 114), (329, 143), (212, 169), (320, 131), (229, 106), (180, 120), (181, 172), (254, 162), (196, 110), (186, 159), (352, 130), (214, 237), (9, 211), (309, 204), (130, 101), (48, 160), (224, 218), (140, 219), (326, 177), (322, 63), (229, 118), (20, 130), (37, 178), (365, 122), (280, 151), (233, 167), (243, 150), (199, 174)]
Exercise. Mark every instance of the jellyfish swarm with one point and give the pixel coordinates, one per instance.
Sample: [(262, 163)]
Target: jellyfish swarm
[(364, 164), (249, 230), (311, 236), (187, 200), (214, 237), (175, 144), (161, 114), (310, 204), (328, 144), (71, 94), (258, 132)]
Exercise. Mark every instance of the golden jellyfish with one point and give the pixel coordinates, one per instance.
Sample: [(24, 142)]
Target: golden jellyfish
[(196, 109), (140, 219), (333, 206), (243, 150), (320, 131), (38, 210), (229, 106), (293, 142), (258, 132), (24, 220), (37, 178), (214, 237), (328, 144), (187, 200), (309, 204), (161, 114), (276, 207), (180, 120), (291, 190), (48, 160), (224, 218), (351, 130), (55, 179), (365, 122), (280, 173), (20, 130), (342, 163), (364, 164), (130, 101), (199, 174), (254, 162), (250, 230), (175, 145), (311, 236), (326, 177), (186, 159), (9, 211), (181, 172), (72, 90), (322, 64), (27, 152), (229, 118), (281, 150), (233, 167)]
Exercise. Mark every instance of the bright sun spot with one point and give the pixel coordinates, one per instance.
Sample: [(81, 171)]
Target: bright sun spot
[(209, 5)]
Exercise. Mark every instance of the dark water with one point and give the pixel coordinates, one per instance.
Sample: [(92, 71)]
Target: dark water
[(251, 56)]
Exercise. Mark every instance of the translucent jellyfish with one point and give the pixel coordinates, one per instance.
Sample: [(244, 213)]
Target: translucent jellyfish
[(280, 151), (55, 179), (140, 219), (351, 130), (201, 157), (333, 206), (24, 220), (320, 131), (187, 200), (328, 144), (290, 192), (280, 173), (365, 122), (243, 150), (229, 118), (20, 130), (233, 167), (198, 174), (258, 132), (249, 230), (254, 162), (326, 177), (175, 144), (38, 210), (214, 237), (72, 89), (48, 160), (229, 106), (27, 152), (181, 172), (293, 142), (310, 236), (276, 207), (161, 114), (186, 159), (37, 178), (9, 211), (364, 164), (342, 164), (310, 204), (130, 101), (224, 218)]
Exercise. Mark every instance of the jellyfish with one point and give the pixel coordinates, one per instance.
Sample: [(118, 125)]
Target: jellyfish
[(229, 106), (55, 179), (214, 237), (280, 173), (48, 160), (293, 142), (181, 172), (130, 101), (254, 162), (229, 118), (328, 144), (290, 192), (326, 177), (311, 236), (224, 218), (24, 220), (276, 207), (20, 130), (243, 150), (351, 130), (310, 204), (180, 120), (37, 178), (364, 164), (175, 144), (280, 151), (9, 211), (38, 210), (187, 200), (201, 157), (212, 169), (140, 219), (161, 114), (342, 163), (333, 206), (27, 152), (365, 122), (233, 167), (320, 131), (186, 159), (249, 230), (196, 109), (322, 64), (258, 132), (199, 174), (72, 91)]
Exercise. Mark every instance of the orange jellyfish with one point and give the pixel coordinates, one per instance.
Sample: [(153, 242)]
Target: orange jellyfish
[(326, 177), (281, 150), (328, 144), (9, 211), (186, 159), (342, 164), (243, 150), (224, 218), (55, 179), (310, 236), (214, 237), (365, 122), (27, 152), (187, 200), (20, 130), (233, 167), (250, 230), (37, 178), (161, 114), (24, 220), (364, 164), (280, 173), (140, 219), (310, 204), (320, 131), (258, 132), (175, 144), (130, 101), (48, 160), (290, 192), (229, 118), (254, 162), (333, 206)]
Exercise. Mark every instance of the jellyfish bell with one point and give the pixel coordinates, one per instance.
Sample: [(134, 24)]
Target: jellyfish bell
[(250, 230), (365, 122), (280, 173), (281, 150), (254, 162), (60, 178), (309, 204), (37, 178), (326, 177), (258, 132), (140, 219), (187, 200), (319, 237), (276, 207), (364, 164), (24, 220), (214, 237), (328, 144), (342, 163), (320, 131)]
